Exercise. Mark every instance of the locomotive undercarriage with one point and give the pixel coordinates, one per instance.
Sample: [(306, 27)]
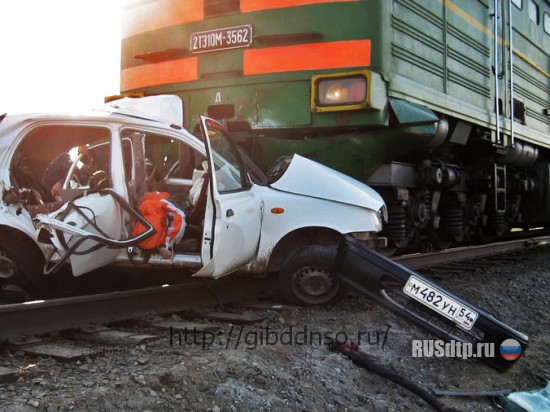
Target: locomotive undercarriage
[(445, 185), (437, 200)]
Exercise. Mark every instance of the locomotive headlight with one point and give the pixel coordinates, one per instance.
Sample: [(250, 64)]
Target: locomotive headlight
[(342, 91)]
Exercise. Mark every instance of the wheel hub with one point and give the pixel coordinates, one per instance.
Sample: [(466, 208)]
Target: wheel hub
[(314, 281)]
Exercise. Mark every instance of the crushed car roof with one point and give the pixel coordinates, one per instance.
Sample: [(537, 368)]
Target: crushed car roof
[(165, 109)]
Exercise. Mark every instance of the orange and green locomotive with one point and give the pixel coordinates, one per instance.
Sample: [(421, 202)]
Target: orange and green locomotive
[(443, 106)]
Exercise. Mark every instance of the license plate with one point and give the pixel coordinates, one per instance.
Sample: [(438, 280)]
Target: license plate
[(221, 39), (440, 302)]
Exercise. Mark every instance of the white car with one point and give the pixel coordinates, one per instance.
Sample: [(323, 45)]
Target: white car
[(289, 221)]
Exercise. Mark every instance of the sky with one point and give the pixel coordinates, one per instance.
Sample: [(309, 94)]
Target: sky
[(58, 55)]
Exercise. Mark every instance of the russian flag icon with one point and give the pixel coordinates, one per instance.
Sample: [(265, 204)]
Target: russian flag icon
[(510, 349)]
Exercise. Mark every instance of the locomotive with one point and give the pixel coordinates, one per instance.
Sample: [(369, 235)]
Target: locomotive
[(442, 106)]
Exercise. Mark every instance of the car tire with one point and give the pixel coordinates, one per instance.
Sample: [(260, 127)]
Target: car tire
[(19, 271), (305, 278)]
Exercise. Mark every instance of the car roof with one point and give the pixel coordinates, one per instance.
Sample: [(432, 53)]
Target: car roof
[(166, 110), (140, 112)]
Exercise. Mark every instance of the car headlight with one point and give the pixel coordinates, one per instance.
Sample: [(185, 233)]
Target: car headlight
[(380, 217), (384, 212), (377, 221), (332, 92)]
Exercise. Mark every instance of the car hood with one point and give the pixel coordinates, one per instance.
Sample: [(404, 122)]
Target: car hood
[(307, 177)]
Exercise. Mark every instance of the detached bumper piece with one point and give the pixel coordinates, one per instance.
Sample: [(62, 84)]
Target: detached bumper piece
[(412, 296)]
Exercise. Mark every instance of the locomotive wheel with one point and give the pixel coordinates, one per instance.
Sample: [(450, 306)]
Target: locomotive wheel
[(305, 278), (17, 271), (439, 241), (388, 251)]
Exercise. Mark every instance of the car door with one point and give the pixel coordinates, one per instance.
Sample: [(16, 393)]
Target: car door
[(233, 218), (89, 230)]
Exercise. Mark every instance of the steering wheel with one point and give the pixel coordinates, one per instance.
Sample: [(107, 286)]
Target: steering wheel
[(99, 180)]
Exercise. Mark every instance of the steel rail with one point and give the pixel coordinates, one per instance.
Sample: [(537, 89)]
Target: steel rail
[(425, 260), (32, 318)]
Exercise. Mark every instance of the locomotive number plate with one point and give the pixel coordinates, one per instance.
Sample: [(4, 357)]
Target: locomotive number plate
[(221, 39), (440, 302)]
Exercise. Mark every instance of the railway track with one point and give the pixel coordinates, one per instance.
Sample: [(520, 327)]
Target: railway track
[(30, 318), (431, 259), (38, 317)]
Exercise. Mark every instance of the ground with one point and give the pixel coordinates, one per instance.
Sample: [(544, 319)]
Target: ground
[(244, 369)]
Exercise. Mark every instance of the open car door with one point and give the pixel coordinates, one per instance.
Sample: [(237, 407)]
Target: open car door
[(88, 231), (233, 218)]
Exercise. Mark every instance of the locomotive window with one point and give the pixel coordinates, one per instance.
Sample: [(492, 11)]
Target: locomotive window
[(547, 23), (518, 3), (534, 12)]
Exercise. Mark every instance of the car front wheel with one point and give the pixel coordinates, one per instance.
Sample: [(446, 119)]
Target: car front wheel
[(305, 277)]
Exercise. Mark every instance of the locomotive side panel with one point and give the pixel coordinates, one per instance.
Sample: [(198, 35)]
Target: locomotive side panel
[(417, 48), (443, 56), (532, 72), (452, 61)]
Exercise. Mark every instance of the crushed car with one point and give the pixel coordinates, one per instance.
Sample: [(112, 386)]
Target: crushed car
[(72, 185)]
